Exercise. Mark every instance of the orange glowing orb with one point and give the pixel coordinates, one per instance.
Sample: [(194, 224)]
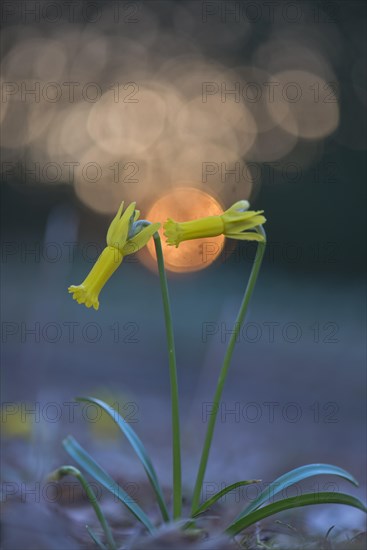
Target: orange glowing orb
[(184, 204)]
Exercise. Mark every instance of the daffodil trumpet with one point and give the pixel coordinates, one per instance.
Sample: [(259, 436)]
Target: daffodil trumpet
[(125, 235), (235, 223)]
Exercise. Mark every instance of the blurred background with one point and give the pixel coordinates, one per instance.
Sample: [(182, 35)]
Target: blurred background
[(185, 107)]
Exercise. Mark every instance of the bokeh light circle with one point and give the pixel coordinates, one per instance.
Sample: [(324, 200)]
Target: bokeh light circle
[(304, 104), (184, 204)]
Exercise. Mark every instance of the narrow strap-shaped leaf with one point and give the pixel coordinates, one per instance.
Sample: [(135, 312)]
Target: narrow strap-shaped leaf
[(221, 493), (292, 477), (81, 456), (294, 502), (95, 539), (68, 470), (138, 447)]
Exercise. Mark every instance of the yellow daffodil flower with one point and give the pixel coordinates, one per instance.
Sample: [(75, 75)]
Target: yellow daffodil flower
[(234, 223), (125, 236)]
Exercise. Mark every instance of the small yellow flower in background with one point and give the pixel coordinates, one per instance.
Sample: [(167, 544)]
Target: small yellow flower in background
[(125, 236), (234, 223), (15, 421), (102, 426)]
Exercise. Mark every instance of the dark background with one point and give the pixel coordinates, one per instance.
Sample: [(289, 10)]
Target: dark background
[(312, 278)]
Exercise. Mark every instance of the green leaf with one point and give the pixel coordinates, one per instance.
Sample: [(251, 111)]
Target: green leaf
[(95, 539), (138, 447), (294, 476), (294, 502), (221, 493), (81, 456)]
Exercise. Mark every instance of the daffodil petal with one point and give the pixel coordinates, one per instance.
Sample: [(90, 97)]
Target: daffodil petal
[(243, 225), (114, 222), (140, 239), (238, 207), (126, 216), (129, 211), (246, 236), (241, 215), (119, 228)]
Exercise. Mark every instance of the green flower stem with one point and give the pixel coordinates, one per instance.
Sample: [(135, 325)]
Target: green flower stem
[(177, 482), (70, 470), (224, 371)]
